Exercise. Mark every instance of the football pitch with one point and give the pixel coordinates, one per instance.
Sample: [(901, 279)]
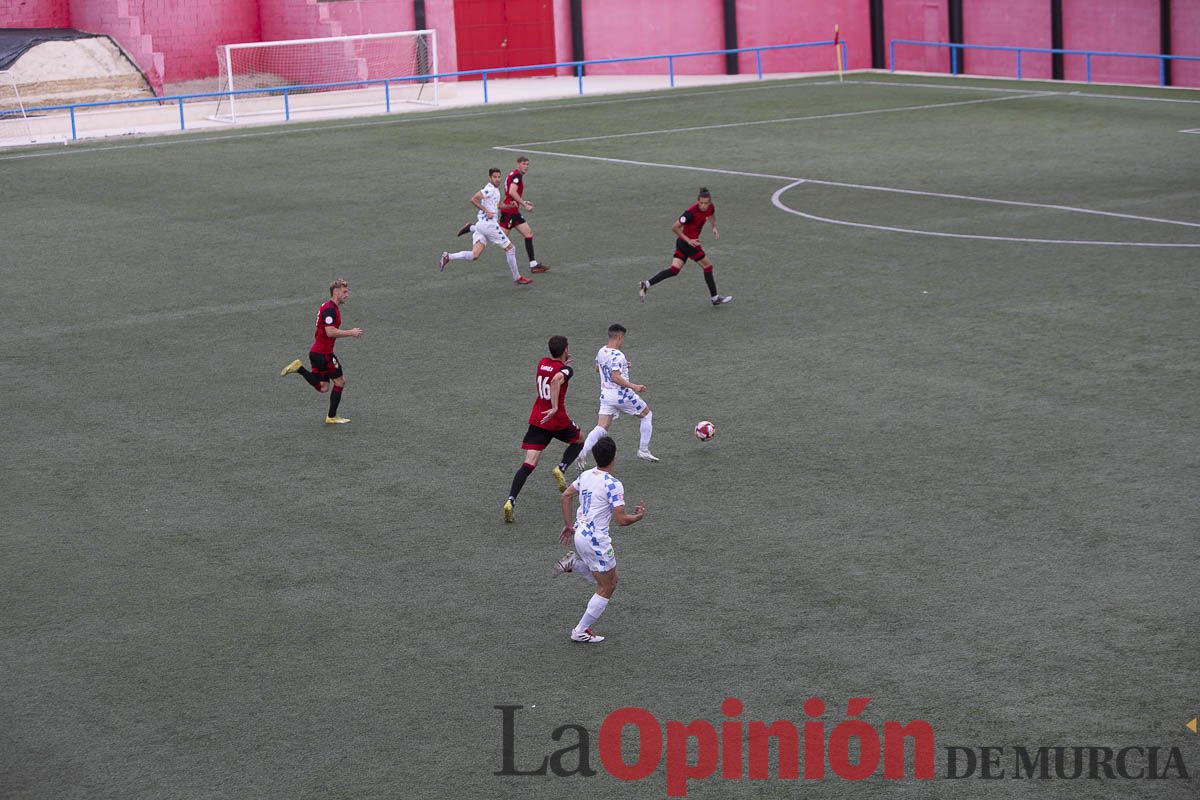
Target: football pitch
[(955, 471)]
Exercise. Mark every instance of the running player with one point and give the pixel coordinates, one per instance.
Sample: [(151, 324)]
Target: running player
[(326, 368), (618, 395), (511, 206), (548, 420), (601, 500), (487, 229), (687, 245)]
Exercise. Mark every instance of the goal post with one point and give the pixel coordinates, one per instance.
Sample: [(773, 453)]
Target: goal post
[(407, 60), (12, 108)]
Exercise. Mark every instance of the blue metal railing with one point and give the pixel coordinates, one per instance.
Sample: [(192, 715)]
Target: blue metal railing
[(955, 48), (287, 91)]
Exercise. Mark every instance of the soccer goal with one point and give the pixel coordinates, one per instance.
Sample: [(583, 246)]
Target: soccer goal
[(13, 119), (406, 59)]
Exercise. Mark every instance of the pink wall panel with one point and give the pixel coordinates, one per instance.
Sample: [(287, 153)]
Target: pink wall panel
[(35, 14), (562, 35), (1125, 26), (922, 21), (1024, 23), (295, 19), (439, 15), (1185, 41), (121, 19), (188, 32), (626, 28), (763, 22), (373, 16)]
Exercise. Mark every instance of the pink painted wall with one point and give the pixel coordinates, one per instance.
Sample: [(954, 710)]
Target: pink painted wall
[(1185, 40), (1011, 22), (562, 35), (121, 19), (627, 28), (921, 21), (35, 14), (765, 23), (189, 32), (1124, 26), (364, 60), (176, 40)]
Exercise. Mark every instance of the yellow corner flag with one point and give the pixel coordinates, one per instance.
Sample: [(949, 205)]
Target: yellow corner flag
[(1191, 726)]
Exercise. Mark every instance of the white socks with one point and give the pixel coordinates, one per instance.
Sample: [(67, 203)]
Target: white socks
[(462, 255), (511, 255), (647, 431), (595, 608), (590, 442)]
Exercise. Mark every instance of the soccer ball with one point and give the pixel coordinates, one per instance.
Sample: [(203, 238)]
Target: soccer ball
[(705, 430)]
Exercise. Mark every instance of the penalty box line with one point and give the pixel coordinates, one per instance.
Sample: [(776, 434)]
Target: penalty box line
[(749, 123), (794, 181)]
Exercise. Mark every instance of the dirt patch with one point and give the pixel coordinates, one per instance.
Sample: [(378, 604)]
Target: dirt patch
[(74, 71)]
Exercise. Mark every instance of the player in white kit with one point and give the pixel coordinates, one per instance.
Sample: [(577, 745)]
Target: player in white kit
[(601, 500), (618, 396), (487, 230)]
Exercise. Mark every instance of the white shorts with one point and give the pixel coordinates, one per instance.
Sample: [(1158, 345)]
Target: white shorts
[(596, 552), (622, 401), (490, 232)]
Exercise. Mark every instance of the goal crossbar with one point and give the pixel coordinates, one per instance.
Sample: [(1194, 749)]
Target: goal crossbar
[(407, 57)]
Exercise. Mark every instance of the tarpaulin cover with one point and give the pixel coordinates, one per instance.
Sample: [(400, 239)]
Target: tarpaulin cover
[(15, 41)]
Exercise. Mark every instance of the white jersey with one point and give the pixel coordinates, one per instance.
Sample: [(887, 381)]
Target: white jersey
[(614, 398), (490, 202), (611, 361), (599, 494)]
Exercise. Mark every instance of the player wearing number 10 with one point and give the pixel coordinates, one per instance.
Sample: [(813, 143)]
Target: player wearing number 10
[(548, 420)]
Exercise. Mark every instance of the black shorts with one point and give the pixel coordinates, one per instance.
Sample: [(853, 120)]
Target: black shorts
[(509, 221), (684, 251), (325, 367), (537, 438)]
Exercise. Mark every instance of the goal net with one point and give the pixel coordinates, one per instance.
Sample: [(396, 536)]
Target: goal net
[(369, 69)]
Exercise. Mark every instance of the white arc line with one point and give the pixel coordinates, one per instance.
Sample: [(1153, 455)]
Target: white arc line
[(775, 201), (794, 181)]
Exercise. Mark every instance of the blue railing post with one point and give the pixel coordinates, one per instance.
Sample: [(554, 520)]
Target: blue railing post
[(953, 60), (387, 95), (1087, 60), (1162, 72), (671, 69), (579, 75), (1018, 63), (74, 133), (892, 55), (485, 88), (181, 125), (287, 108), (845, 57), (758, 60)]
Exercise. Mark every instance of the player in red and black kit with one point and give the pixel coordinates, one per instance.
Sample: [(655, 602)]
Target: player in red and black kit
[(511, 206), (548, 420), (326, 368), (687, 245)]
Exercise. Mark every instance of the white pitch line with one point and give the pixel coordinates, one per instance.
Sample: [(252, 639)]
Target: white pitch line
[(716, 126), (1053, 92), (775, 201), (171, 138), (796, 181), (633, 163)]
